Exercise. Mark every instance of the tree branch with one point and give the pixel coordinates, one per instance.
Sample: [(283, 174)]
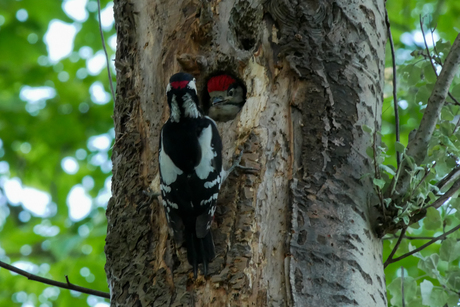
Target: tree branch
[(431, 61), (426, 47), (417, 147), (395, 98), (51, 282), (390, 257), (409, 238), (105, 50), (453, 174), (402, 287), (443, 198), (441, 237)]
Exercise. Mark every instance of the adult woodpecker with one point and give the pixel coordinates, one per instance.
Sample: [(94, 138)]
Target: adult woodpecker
[(227, 96), (191, 171)]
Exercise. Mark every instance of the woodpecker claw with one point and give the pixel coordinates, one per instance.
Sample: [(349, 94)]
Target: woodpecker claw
[(236, 164), (151, 195)]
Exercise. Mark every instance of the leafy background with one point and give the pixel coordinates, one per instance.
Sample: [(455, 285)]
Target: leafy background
[(37, 138)]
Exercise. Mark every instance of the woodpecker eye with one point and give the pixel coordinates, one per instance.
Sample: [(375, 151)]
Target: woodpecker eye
[(230, 92)]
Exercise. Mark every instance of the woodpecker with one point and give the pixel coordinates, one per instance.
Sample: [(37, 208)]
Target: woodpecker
[(227, 97), (191, 172)]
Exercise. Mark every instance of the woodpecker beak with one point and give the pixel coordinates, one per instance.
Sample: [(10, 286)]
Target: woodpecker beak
[(218, 100)]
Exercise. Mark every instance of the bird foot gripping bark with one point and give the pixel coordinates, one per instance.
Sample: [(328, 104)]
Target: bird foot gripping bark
[(236, 165), (151, 196)]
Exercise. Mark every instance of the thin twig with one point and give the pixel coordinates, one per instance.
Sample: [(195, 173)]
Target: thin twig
[(443, 198), (426, 47), (390, 257), (105, 49), (453, 174), (441, 237), (408, 238), (51, 282), (434, 68), (402, 287), (395, 98)]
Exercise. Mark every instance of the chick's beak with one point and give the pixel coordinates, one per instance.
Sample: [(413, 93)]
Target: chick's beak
[(217, 100)]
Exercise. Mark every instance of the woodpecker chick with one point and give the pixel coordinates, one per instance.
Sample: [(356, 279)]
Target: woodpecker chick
[(227, 97), (190, 159)]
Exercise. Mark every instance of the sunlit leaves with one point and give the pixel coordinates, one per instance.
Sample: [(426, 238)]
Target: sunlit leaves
[(416, 79), (37, 135), (410, 290), (450, 250), (432, 220)]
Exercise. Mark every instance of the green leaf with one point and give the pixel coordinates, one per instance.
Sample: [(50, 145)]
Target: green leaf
[(432, 221), (406, 219), (426, 287), (379, 182), (410, 290), (387, 169), (399, 147), (450, 250), (422, 95), (429, 74), (370, 152), (443, 46), (387, 201), (438, 297), (432, 196), (429, 265), (453, 278), (367, 129), (414, 75), (410, 161), (452, 299), (416, 302), (456, 90), (446, 114)]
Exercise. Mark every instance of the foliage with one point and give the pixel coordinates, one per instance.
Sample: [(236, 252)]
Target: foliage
[(35, 137), (431, 277)]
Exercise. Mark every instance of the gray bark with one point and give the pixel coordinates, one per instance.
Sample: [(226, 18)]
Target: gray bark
[(300, 232)]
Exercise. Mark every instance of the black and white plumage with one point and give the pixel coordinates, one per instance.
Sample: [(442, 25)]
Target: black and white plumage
[(190, 171)]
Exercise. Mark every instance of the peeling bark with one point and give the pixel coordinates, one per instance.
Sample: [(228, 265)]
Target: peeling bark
[(300, 232)]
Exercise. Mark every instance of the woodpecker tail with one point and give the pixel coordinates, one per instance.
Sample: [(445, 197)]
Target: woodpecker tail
[(199, 250)]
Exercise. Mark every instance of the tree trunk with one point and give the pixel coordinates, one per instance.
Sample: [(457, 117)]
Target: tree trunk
[(300, 231)]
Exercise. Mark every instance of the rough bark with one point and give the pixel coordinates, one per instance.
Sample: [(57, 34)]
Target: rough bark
[(300, 232)]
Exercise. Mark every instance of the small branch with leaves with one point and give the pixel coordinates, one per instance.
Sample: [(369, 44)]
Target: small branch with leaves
[(391, 260), (430, 58), (65, 285), (417, 148), (399, 194)]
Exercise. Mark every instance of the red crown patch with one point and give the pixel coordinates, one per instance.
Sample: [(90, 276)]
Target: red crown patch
[(179, 84), (220, 83)]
